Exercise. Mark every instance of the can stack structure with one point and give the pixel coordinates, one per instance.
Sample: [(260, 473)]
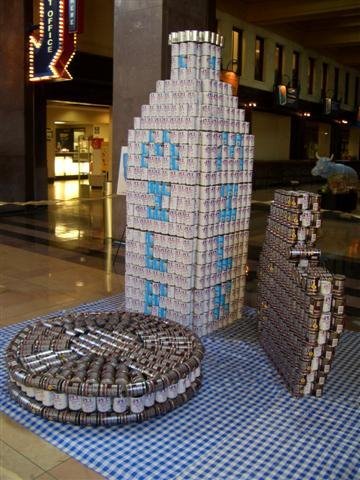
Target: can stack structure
[(300, 303), (103, 368), (189, 173)]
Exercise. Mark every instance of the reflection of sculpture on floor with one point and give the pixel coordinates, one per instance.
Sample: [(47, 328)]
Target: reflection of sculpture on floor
[(103, 368), (301, 304), (189, 188)]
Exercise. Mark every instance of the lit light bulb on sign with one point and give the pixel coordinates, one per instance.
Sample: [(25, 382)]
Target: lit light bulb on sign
[(51, 51)]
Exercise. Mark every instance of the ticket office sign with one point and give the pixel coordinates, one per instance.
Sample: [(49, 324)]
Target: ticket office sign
[(51, 51)]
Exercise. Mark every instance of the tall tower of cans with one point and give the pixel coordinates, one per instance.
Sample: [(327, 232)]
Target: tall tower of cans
[(189, 176), (301, 304)]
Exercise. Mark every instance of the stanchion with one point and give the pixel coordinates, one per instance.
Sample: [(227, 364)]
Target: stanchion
[(108, 265), (108, 210), (108, 232)]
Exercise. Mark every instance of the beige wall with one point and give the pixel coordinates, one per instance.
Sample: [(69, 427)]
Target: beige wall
[(324, 140), (97, 37), (226, 23), (272, 136)]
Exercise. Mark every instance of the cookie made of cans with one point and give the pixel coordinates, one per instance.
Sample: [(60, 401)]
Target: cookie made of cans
[(92, 360)]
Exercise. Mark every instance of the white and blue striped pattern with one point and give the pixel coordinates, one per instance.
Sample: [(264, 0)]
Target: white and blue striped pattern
[(242, 425)]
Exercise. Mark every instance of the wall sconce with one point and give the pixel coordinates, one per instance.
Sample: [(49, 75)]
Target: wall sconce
[(285, 94), (231, 77), (327, 102), (281, 94)]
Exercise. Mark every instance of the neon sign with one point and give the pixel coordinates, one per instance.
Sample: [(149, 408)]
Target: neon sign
[(51, 52)]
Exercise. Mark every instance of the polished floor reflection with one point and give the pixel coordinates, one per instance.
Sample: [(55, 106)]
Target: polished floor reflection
[(56, 257), (51, 259)]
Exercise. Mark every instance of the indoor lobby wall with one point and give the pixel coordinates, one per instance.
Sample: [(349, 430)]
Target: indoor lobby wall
[(226, 22), (97, 37), (272, 133), (324, 143), (354, 143)]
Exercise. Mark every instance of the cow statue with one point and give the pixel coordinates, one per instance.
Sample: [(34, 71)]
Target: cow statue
[(340, 177)]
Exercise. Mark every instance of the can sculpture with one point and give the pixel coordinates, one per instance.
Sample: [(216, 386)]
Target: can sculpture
[(189, 171), (189, 174), (300, 303), (103, 368)]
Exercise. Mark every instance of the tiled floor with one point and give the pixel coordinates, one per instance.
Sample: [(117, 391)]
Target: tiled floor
[(56, 258), (33, 284), (49, 261)]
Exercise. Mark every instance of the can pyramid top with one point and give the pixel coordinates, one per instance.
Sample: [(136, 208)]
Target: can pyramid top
[(196, 36)]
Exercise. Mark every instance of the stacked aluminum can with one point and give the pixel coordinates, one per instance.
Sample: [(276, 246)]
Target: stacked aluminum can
[(103, 368), (300, 303), (189, 173)]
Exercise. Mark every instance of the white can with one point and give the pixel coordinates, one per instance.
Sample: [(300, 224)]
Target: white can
[(120, 404), (172, 390), (30, 391), (38, 394), (75, 402), (322, 337), (149, 399), (325, 321), (136, 404), (325, 287), (88, 404), (183, 48), (314, 364), (308, 388), (181, 386), (327, 303), (161, 396), (175, 49), (60, 401), (205, 49), (48, 398), (103, 404)]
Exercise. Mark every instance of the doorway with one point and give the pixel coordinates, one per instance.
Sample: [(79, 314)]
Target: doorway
[(78, 148)]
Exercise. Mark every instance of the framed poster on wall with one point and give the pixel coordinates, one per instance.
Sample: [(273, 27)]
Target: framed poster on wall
[(65, 139)]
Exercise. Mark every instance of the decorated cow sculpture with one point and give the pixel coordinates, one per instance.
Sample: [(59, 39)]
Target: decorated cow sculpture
[(340, 177)]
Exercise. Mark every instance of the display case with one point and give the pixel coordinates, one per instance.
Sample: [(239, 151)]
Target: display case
[(73, 153)]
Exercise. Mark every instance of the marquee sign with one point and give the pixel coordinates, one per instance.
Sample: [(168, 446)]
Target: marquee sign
[(52, 50)]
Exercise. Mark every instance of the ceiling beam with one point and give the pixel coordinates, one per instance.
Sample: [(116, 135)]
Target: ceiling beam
[(327, 24), (277, 11), (346, 55), (332, 38)]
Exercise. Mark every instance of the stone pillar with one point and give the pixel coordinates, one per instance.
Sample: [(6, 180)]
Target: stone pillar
[(12, 102), (141, 56), (22, 111)]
